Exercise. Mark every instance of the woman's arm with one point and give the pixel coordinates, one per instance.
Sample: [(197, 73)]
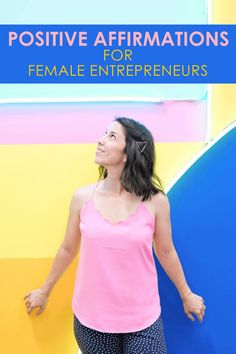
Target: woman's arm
[(64, 256), (69, 247), (169, 260)]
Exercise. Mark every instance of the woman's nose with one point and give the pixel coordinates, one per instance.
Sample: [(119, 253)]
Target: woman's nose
[(101, 140)]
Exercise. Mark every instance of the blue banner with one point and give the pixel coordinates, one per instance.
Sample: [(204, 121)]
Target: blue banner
[(118, 54)]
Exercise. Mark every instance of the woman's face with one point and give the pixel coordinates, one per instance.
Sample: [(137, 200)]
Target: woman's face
[(110, 147)]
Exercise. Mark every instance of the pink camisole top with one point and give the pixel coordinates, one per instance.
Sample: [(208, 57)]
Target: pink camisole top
[(116, 284)]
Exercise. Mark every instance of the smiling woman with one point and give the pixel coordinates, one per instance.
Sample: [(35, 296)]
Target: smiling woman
[(136, 148), (113, 224)]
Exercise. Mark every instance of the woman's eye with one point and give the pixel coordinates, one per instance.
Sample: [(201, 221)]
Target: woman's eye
[(111, 135)]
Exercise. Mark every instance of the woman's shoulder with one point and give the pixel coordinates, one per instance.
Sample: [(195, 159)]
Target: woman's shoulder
[(156, 203), (82, 194), (160, 203)]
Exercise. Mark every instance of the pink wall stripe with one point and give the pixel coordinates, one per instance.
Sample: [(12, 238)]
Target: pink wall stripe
[(74, 123)]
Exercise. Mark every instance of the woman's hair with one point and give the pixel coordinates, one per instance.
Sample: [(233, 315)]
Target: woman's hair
[(138, 175)]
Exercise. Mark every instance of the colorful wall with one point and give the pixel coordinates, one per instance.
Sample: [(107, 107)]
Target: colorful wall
[(47, 142)]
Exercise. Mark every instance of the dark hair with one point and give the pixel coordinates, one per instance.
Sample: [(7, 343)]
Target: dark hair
[(138, 174)]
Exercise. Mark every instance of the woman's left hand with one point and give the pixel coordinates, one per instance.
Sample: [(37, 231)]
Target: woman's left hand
[(194, 303)]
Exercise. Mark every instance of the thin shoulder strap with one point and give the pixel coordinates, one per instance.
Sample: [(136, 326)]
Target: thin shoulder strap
[(93, 191)]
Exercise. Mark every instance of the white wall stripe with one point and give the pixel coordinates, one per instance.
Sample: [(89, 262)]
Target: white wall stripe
[(206, 147)]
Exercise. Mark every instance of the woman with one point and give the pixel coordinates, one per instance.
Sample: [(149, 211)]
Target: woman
[(116, 302)]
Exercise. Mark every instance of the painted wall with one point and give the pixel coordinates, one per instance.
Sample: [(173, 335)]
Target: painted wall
[(43, 161)]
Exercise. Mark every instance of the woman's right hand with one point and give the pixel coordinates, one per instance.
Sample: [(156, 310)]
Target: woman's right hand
[(36, 298)]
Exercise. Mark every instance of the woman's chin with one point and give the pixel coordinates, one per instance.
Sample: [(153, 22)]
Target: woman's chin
[(98, 160)]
